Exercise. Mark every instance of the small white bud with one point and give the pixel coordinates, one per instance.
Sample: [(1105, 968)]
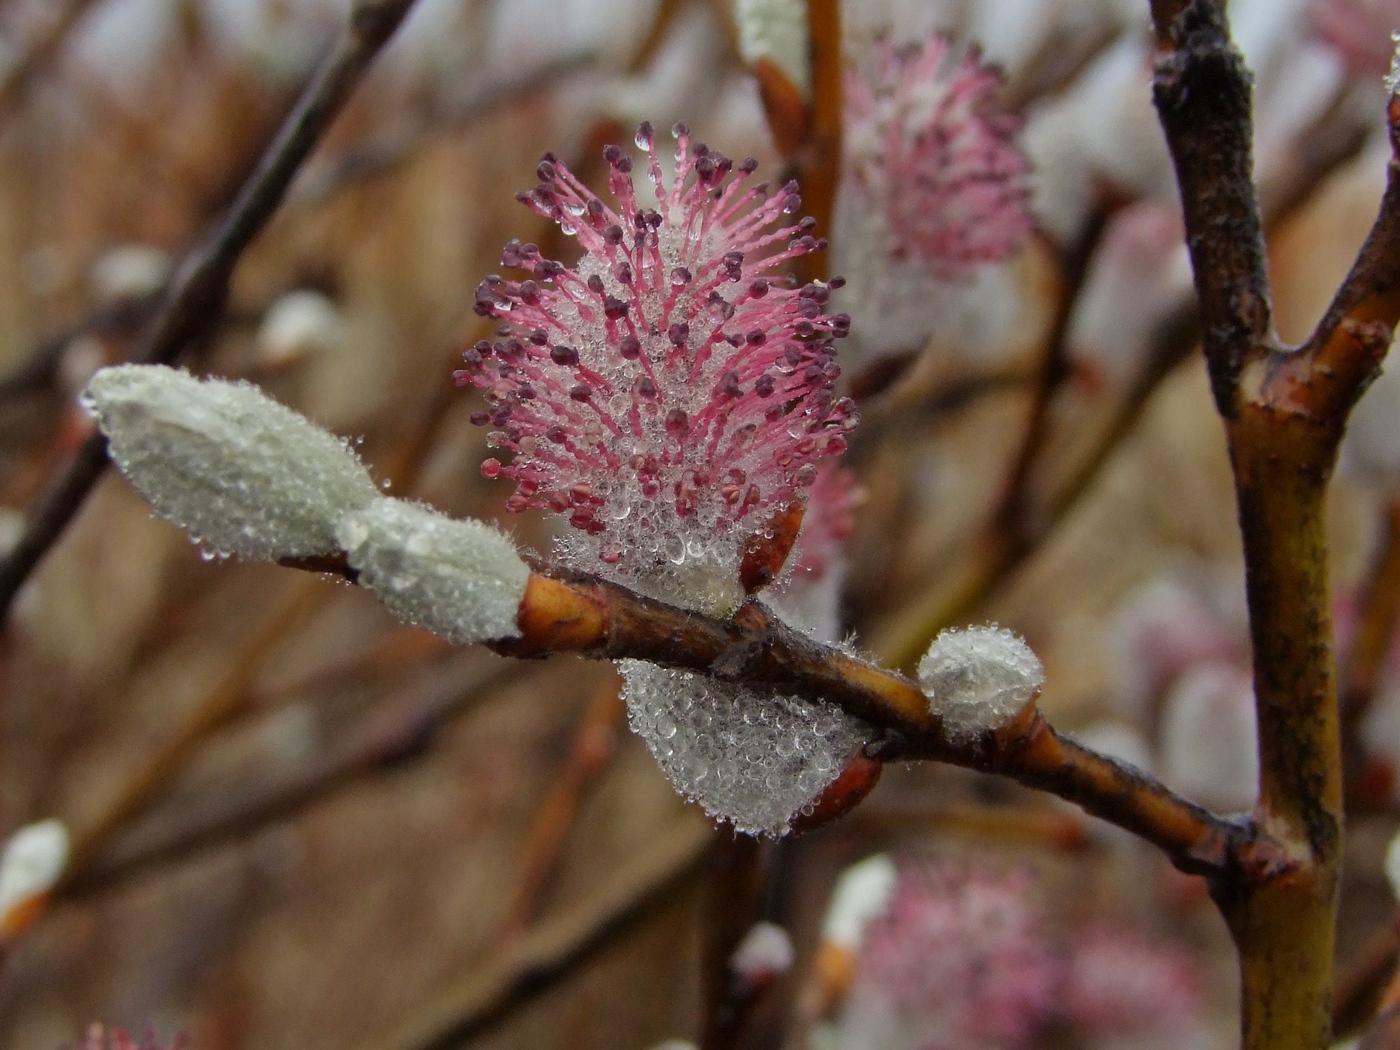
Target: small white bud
[(11, 529), (861, 895), (1392, 80), (764, 953), (1392, 866), (979, 679), (301, 322), (30, 865), (462, 580), (242, 473), (79, 362), (129, 271), (776, 30)]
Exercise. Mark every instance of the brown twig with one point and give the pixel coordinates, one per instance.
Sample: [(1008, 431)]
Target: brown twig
[(378, 158), (595, 742), (819, 161), (197, 294), (549, 951), (1010, 519), (1360, 984), (1384, 1033), (1284, 412), (566, 611), (1202, 91), (732, 903), (400, 725), (807, 127)]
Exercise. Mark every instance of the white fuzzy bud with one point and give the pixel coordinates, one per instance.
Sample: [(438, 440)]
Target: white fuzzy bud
[(764, 953), (30, 865), (129, 271), (1392, 80), (977, 680), (776, 30), (1392, 866), (861, 895), (300, 323), (462, 580), (243, 474)]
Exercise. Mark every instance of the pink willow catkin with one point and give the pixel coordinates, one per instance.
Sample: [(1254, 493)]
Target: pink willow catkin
[(928, 147), (670, 397), (667, 394)]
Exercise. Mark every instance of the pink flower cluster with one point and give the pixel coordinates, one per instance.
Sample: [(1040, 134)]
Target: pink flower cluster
[(669, 393), (928, 147), (100, 1038), (965, 958)]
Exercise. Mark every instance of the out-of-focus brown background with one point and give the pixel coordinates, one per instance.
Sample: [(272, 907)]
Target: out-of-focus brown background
[(302, 825)]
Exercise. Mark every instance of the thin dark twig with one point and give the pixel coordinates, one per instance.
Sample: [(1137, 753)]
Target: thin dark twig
[(196, 296), (39, 52), (322, 181), (548, 952), (1010, 518), (41, 369), (594, 745), (732, 903), (1359, 985), (401, 725), (1202, 92)]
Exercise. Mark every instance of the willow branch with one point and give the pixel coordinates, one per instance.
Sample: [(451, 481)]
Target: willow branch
[(1284, 412), (1010, 518), (1203, 95), (196, 296), (564, 611), (732, 901), (807, 127)]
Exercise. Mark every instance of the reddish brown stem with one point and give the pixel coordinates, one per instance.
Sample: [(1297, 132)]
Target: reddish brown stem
[(594, 744), (731, 903), (1284, 412)]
